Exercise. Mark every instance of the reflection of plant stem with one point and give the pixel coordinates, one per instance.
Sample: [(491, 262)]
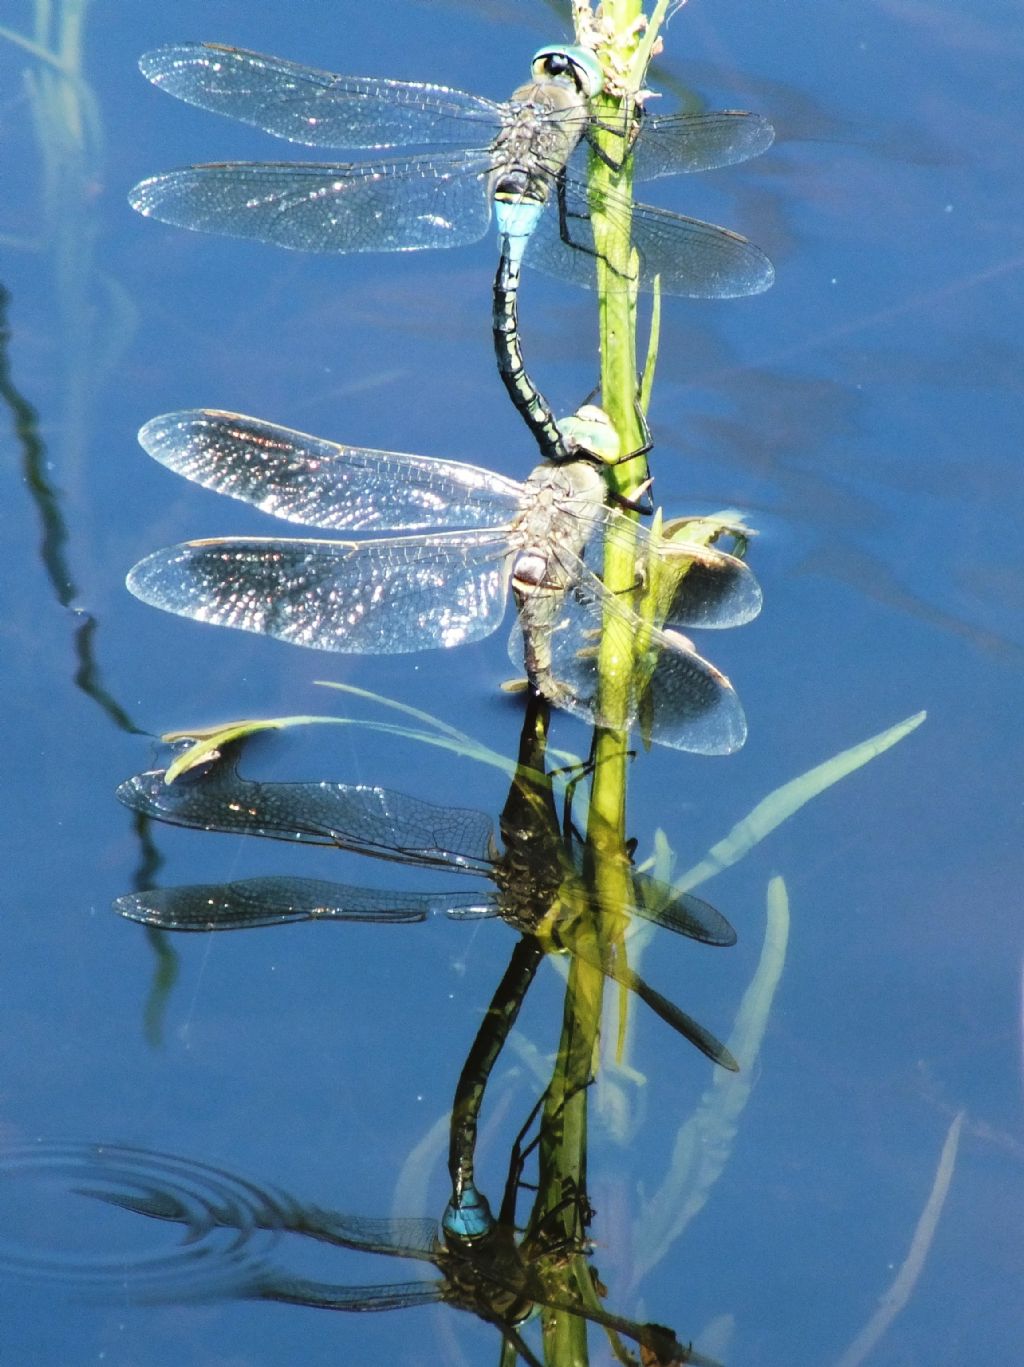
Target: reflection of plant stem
[(563, 1148), (53, 547), (87, 678), (33, 464), (94, 313)]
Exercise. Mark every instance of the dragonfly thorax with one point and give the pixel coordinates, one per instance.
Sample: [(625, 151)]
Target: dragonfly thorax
[(561, 506), (546, 120)]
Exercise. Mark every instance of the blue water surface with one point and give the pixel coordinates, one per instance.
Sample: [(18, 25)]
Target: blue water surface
[(864, 416)]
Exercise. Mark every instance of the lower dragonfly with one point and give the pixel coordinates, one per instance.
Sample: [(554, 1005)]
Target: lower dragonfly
[(516, 156), (539, 887), (544, 538), (504, 1277)]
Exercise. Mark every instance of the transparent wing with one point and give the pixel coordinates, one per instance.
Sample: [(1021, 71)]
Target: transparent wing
[(375, 821), (278, 901), (684, 702), (682, 913), (182, 1191), (692, 258), (383, 597), (680, 699), (328, 1296), (434, 200), (318, 108), (399, 1236), (664, 1009), (708, 1044), (700, 586), (672, 144), (308, 480)]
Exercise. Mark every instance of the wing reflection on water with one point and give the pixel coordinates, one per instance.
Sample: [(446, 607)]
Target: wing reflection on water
[(233, 1236), (236, 1239), (539, 878)]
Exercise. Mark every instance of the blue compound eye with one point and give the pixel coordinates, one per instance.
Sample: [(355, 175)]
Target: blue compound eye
[(581, 66)]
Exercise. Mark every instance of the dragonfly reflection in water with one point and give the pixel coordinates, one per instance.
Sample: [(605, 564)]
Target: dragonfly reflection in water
[(539, 885), (503, 1277), (544, 538), (508, 154)]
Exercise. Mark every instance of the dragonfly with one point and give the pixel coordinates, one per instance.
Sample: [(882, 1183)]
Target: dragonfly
[(236, 1234), (538, 883), (477, 155), (544, 539)]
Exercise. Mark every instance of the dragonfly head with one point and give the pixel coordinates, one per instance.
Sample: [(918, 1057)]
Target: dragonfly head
[(569, 64), (589, 433)]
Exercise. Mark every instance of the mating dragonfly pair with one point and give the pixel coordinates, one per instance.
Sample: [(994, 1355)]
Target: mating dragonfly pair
[(480, 535)]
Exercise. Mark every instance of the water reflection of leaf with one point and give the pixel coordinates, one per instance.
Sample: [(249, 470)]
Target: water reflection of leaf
[(210, 740), (704, 1143), (618, 1113), (896, 1298), (780, 805)]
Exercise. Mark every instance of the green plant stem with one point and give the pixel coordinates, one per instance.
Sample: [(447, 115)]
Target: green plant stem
[(617, 323)]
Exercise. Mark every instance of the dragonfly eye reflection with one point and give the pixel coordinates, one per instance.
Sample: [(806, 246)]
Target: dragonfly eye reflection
[(449, 583)]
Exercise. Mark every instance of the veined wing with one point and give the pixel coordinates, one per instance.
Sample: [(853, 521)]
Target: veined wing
[(666, 1010), (374, 821), (702, 586), (396, 1236), (328, 1296), (182, 1191), (318, 108), (673, 144), (437, 199), (319, 483), (681, 699), (383, 597), (256, 902), (692, 258), (682, 913)]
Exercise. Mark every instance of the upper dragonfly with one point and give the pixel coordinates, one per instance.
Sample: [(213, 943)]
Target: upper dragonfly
[(477, 152), (543, 538)]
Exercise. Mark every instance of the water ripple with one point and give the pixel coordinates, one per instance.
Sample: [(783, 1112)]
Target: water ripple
[(69, 1215)]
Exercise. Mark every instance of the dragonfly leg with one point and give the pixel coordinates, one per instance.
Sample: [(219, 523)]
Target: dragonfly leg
[(582, 771), (638, 500), (592, 762), (521, 1151), (564, 219), (627, 135)]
